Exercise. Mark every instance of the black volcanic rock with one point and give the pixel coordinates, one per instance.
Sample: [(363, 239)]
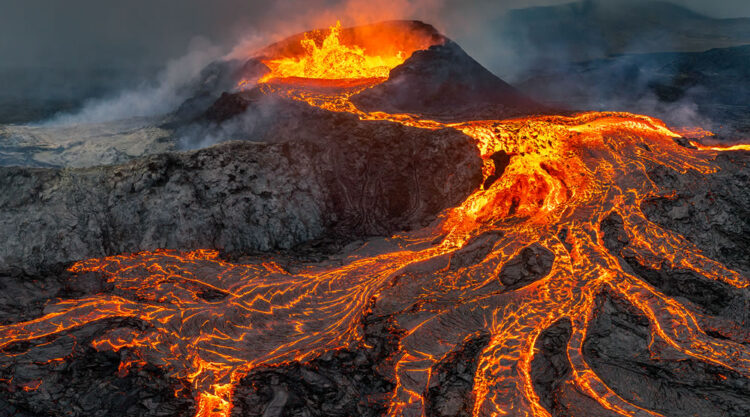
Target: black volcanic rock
[(550, 368), (532, 263), (649, 373), (226, 107), (712, 211), (347, 382), (452, 394), (341, 178), (718, 301), (217, 79), (444, 82), (86, 383), (253, 103)]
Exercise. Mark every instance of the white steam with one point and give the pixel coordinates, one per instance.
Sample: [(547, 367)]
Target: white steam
[(154, 99), (252, 124)]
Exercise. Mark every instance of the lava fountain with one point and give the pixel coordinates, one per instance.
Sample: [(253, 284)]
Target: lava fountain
[(333, 60), (359, 55), (565, 175)]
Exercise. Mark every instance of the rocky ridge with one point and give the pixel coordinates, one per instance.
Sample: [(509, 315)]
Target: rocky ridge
[(342, 178)]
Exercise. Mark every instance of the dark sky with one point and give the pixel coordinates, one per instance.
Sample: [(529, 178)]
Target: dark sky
[(83, 33)]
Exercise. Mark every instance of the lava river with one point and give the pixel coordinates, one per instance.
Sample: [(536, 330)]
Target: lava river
[(563, 178)]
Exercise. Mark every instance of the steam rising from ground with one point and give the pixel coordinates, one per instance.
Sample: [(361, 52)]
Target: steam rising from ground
[(172, 87)]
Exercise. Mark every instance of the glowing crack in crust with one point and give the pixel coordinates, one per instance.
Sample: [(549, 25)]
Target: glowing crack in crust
[(566, 175)]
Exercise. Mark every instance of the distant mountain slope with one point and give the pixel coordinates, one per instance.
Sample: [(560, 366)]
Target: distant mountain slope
[(710, 88), (34, 94), (592, 29)]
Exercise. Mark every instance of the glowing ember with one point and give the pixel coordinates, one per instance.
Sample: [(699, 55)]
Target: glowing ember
[(333, 60)]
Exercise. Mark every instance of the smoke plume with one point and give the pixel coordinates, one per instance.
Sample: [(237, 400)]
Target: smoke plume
[(150, 99)]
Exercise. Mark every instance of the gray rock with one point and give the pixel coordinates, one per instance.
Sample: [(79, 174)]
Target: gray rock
[(341, 178), (532, 263)]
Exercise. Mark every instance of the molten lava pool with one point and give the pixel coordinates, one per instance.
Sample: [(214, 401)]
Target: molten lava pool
[(333, 60), (364, 53)]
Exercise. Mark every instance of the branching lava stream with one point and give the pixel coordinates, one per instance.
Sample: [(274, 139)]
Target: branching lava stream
[(565, 176)]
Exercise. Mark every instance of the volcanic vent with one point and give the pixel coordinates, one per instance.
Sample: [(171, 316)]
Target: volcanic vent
[(484, 266), (364, 53)]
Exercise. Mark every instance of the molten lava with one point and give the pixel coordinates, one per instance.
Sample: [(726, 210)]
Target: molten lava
[(720, 148), (565, 176), (363, 55), (333, 60)]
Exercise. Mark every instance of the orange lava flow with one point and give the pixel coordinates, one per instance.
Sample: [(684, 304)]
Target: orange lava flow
[(565, 176), (719, 148), (333, 60)]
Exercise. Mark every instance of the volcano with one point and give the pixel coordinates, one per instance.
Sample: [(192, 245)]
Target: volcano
[(389, 230)]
